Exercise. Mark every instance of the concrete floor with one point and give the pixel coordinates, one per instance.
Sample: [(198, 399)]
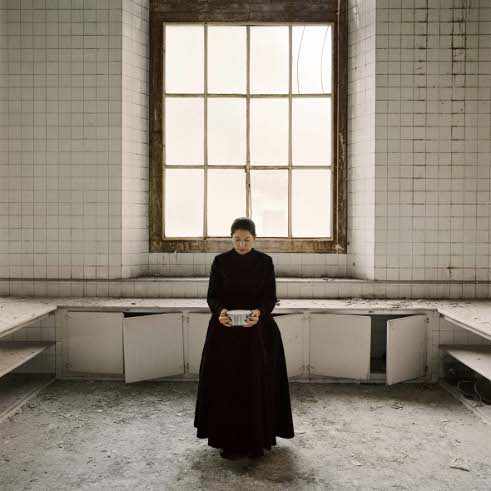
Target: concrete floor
[(108, 435)]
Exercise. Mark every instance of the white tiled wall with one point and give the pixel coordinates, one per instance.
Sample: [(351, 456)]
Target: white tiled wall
[(77, 151), (74, 146), (135, 137), (433, 96), (361, 138), (4, 132), (61, 163), (294, 264)]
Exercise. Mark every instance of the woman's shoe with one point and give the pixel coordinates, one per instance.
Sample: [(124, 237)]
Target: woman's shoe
[(230, 454), (255, 453)]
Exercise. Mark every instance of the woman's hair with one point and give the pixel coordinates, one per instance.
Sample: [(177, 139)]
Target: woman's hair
[(244, 224)]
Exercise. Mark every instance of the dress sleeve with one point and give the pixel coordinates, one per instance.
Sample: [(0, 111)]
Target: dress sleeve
[(213, 296), (268, 298)]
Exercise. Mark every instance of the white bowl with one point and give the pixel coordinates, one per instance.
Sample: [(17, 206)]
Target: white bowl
[(238, 316)]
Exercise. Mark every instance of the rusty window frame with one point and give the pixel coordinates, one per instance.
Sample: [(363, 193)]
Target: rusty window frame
[(244, 13)]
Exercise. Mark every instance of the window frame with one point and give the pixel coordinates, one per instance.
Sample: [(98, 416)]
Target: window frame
[(280, 12)]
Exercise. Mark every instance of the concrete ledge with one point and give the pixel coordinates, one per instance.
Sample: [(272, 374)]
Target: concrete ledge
[(287, 287), (472, 314)]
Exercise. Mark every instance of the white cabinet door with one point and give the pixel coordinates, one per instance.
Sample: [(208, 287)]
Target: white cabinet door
[(153, 346), (93, 342), (340, 345), (406, 348), (197, 327), (291, 327)]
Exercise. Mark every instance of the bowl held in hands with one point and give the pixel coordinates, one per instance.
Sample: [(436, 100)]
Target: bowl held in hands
[(238, 316)]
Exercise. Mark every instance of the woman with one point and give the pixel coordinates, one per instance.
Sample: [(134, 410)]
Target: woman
[(243, 399)]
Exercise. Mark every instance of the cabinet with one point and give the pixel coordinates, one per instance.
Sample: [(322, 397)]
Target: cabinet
[(293, 333), (318, 346), (197, 325), (93, 343), (142, 346), (352, 346), (291, 328), (340, 346)]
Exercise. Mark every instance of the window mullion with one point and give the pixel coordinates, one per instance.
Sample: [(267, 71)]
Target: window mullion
[(162, 94), (205, 132), (290, 131), (248, 124)]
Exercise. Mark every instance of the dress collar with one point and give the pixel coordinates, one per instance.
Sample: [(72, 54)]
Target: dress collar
[(247, 254)]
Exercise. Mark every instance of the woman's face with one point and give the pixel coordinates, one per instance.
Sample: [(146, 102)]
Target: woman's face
[(243, 241)]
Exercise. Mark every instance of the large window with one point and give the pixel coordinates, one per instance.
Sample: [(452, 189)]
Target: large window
[(248, 119)]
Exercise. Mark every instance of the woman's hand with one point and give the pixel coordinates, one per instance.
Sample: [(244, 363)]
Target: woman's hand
[(253, 318), (224, 318)]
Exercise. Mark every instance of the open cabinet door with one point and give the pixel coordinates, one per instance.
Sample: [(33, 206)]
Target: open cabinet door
[(340, 345), (197, 327), (153, 346), (406, 348)]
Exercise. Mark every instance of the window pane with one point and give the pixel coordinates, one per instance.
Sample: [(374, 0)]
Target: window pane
[(226, 199), (227, 59), (269, 60), (311, 131), (311, 203), (269, 131), (184, 58), (226, 131), (312, 59), (183, 202), (184, 130), (269, 196)]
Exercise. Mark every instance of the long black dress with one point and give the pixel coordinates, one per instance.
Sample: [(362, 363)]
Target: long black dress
[(243, 398)]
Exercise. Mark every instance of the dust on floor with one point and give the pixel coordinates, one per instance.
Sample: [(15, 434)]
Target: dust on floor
[(109, 435)]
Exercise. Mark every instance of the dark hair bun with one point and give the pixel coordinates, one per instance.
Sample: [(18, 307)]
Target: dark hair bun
[(243, 223)]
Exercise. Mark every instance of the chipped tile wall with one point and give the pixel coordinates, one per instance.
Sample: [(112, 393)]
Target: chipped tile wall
[(433, 135), (361, 138)]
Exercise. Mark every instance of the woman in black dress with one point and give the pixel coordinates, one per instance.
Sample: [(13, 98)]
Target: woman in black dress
[(243, 398)]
